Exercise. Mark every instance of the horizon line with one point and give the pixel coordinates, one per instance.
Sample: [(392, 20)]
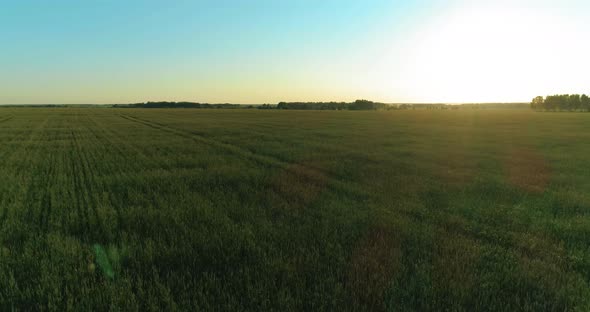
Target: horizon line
[(231, 103)]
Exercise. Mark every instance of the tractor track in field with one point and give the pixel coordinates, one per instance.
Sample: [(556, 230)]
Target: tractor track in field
[(39, 194), (107, 136), (83, 183), (114, 139), (79, 191), (82, 215), (236, 149), (6, 119), (45, 202), (8, 153), (4, 156), (28, 134), (118, 170), (261, 159)]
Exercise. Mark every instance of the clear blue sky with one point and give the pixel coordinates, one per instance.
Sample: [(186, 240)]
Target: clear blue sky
[(66, 51)]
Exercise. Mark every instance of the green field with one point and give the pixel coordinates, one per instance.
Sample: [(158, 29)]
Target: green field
[(127, 209)]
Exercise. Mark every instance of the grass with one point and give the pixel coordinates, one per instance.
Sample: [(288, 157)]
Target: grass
[(294, 210)]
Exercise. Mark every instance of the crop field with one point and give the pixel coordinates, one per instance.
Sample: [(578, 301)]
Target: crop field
[(174, 209)]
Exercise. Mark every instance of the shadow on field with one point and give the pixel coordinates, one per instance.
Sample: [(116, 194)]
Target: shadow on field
[(527, 170), (301, 183), (375, 262)]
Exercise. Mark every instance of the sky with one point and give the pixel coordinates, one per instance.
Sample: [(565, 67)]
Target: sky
[(267, 51)]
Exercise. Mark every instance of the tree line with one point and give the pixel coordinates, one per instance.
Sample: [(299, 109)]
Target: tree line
[(538, 103), (561, 102), (176, 105), (356, 105), (369, 105)]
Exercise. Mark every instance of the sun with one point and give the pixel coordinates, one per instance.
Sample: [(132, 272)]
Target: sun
[(483, 53)]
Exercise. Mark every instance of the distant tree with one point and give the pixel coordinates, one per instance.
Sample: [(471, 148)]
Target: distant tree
[(563, 102), (537, 103), (550, 103), (362, 105), (560, 102), (574, 102), (367, 105), (585, 102)]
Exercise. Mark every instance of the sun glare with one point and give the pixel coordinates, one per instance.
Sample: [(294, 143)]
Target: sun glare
[(484, 54)]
